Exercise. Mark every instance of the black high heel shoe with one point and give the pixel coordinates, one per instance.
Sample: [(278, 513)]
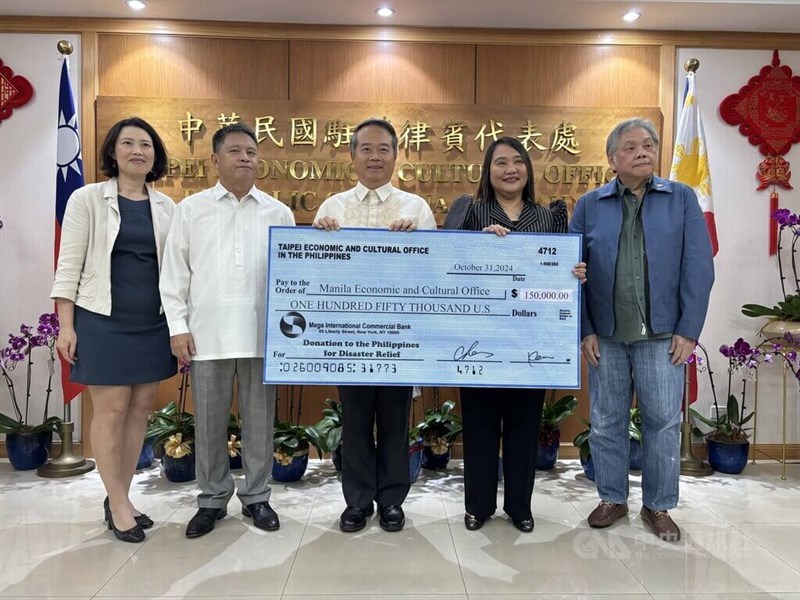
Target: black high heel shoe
[(142, 520), (134, 535)]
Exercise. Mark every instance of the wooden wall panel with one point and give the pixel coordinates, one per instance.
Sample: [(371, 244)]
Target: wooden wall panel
[(382, 72), (568, 75), (666, 101), (188, 67)]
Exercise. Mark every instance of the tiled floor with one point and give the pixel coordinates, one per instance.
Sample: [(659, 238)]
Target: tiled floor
[(741, 542)]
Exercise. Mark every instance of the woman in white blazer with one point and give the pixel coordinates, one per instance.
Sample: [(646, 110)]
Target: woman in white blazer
[(113, 330)]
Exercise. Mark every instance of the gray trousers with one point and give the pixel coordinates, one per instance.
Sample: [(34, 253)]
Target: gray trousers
[(212, 393)]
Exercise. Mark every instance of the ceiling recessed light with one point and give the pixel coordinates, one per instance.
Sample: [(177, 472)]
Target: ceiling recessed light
[(385, 11), (136, 4), (631, 16)]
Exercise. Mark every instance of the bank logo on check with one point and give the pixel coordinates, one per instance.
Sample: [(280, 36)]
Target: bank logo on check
[(293, 324), (443, 308)]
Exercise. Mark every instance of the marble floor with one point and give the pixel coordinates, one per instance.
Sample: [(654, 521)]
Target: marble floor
[(741, 540)]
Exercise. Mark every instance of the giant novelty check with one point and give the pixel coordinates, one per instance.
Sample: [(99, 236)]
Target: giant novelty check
[(449, 308)]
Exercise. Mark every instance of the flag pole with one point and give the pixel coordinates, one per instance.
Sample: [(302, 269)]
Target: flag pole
[(690, 464), (69, 463)]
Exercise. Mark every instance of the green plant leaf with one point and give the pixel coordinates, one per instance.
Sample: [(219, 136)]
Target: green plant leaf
[(759, 310), (710, 422), (50, 424), (9, 425), (747, 418), (554, 415), (733, 410)]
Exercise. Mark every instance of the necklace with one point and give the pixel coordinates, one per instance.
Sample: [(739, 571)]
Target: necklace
[(513, 213)]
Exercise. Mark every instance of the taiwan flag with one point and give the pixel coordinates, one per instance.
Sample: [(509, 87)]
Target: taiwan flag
[(69, 177)]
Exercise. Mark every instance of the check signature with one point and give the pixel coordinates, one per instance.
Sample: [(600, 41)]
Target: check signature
[(534, 357), (463, 354)]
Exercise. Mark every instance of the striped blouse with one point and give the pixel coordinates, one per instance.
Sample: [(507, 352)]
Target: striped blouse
[(534, 218)]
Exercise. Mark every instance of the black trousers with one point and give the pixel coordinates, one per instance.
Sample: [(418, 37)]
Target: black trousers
[(489, 414), (371, 473)]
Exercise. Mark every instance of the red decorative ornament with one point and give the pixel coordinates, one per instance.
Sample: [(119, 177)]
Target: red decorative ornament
[(774, 170), (767, 111), (15, 91)]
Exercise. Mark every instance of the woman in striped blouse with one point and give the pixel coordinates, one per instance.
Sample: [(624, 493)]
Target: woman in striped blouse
[(505, 203)]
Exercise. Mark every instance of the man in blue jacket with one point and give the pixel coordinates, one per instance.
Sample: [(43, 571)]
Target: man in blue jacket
[(650, 272)]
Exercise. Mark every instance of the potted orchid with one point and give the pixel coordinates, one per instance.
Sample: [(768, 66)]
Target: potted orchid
[(292, 441), (554, 413), (785, 315), (581, 442), (727, 439), (291, 445), (330, 431), (635, 435), (439, 429), (28, 444), (234, 442), (172, 431)]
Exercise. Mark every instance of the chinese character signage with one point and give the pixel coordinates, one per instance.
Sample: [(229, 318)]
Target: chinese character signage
[(305, 146)]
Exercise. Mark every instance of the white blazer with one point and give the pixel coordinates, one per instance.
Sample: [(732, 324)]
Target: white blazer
[(90, 228)]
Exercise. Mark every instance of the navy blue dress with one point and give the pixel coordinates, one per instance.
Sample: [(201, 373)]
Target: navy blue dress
[(130, 346)]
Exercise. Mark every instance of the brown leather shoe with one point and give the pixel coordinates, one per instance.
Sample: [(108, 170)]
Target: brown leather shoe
[(661, 524), (606, 514)]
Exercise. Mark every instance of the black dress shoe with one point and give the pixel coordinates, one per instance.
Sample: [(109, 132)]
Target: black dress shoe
[(262, 514), (134, 535), (392, 517), (203, 521), (524, 525), (355, 519), (472, 522), (142, 520)]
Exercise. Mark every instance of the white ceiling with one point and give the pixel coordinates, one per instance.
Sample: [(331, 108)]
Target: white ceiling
[(681, 15)]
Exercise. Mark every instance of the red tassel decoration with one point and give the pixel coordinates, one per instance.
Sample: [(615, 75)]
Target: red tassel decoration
[(773, 224)]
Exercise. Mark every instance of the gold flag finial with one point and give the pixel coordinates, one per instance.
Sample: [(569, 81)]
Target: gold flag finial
[(65, 47), (691, 65)]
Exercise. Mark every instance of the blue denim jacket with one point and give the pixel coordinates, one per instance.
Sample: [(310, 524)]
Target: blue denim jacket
[(678, 253)]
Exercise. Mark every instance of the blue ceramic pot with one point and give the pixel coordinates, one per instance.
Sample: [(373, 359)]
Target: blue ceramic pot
[(727, 458), (588, 468), (27, 451), (147, 454), (294, 471), (547, 456), (433, 461), (636, 455), (415, 460), (178, 469)]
